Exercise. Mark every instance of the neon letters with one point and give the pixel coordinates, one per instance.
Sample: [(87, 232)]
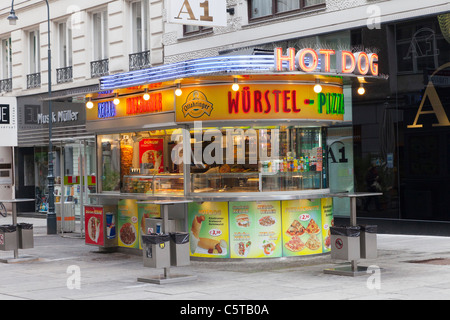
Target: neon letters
[(310, 60)]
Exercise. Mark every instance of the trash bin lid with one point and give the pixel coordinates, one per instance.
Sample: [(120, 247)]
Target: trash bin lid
[(179, 237), (154, 238), (369, 228), (347, 231), (25, 226), (8, 228)]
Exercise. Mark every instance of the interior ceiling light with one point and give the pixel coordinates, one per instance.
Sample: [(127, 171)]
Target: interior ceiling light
[(235, 85), (178, 91)]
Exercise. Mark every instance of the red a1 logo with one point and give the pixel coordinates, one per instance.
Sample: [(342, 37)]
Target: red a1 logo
[(208, 13)]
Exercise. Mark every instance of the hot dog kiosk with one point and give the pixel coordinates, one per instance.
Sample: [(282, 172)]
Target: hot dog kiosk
[(243, 138)]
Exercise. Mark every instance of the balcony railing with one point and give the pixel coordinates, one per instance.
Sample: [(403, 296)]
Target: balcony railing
[(33, 80), (140, 60), (99, 68), (64, 75), (6, 85)]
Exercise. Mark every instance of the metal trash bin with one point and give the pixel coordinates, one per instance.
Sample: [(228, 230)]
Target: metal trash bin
[(156, 250), (179, 249), (368, 241), (345, 243), (26, 239), (8, 237)]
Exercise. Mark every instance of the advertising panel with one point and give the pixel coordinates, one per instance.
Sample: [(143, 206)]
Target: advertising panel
[(327, 222), (151, 153), (128, 224), (302, 227), (208, 229), (94, 225), (255, 229), (251, 101), (146, 210)]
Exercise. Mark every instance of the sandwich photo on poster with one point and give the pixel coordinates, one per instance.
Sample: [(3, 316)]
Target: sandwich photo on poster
[(151, 153), (255, 229)]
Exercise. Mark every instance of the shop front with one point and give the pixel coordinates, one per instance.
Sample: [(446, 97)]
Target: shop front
[(73, 156), (244, 141)]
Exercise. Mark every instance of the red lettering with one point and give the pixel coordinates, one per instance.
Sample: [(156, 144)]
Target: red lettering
[(257, 101), (233, 104), (286, 98), (277, 100), (294, 102), (246, 101), (266, 98)]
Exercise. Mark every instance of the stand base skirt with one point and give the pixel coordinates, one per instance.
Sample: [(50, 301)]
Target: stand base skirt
[(347, 271), (174, 278), (19, 260)]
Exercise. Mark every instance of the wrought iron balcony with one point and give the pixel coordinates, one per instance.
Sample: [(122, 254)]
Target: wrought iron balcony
[(33, 80), (99, 68), (6, 85), (64, 75), (140, 60)]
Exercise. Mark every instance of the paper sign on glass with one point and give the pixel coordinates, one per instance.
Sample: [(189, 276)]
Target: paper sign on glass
[(208, 13)]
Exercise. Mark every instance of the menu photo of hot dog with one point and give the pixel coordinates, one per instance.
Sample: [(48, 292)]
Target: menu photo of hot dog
[(208, 224)]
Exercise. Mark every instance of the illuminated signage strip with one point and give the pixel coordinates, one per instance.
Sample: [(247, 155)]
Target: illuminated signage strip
[(191, 68), (309, 62)]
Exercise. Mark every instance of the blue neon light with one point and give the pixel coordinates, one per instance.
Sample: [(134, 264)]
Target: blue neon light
[(106, 109), (191, 68)]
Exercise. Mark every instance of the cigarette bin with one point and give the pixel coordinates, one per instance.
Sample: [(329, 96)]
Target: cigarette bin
[(156, 250), (179, 249), (26, 240), (368, 241), (8, 237), (345, 243)]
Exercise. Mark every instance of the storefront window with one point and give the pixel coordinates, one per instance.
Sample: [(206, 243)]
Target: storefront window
[(110, 162), (257, 159)]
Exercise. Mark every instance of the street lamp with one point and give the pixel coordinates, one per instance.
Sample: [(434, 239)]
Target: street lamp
[(51, 215)]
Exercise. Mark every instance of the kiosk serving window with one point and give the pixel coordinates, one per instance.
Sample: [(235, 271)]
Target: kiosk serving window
[(222, 160), (257, 159)]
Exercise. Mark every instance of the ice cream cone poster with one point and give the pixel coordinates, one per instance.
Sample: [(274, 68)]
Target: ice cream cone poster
[(151, 152), (208, 229), (327, 222), (93, 216), (255, 229), (302, 227)]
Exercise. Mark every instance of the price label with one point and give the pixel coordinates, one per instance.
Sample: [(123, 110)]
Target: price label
[(304, 217)]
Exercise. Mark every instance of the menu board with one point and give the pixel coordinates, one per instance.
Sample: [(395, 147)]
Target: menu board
[(93, 217), (327, 222), (208, 229), (128, 224), (151, 152), (255, 229), (302, 227), (146, 210)]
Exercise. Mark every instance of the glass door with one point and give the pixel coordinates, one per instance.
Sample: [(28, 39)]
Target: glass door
[(78, 179)]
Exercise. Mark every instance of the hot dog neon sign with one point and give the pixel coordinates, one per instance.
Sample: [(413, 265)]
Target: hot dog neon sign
[(347, 62)]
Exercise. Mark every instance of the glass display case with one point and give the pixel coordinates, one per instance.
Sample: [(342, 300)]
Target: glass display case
[(225, 182), (154, 185)]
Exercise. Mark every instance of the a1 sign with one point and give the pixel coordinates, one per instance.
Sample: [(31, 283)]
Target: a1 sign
[(4, 114), (208, 13)]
